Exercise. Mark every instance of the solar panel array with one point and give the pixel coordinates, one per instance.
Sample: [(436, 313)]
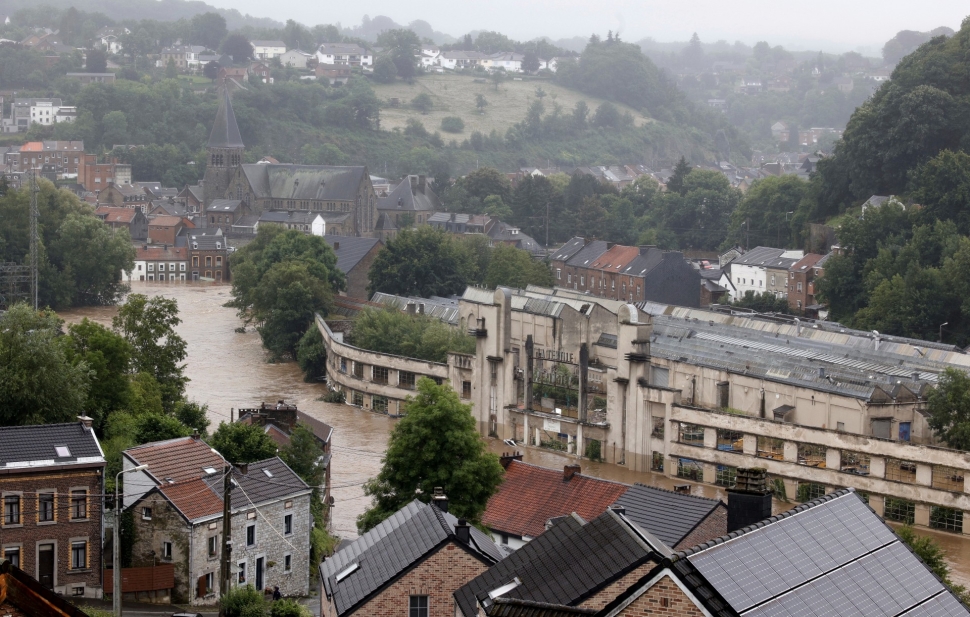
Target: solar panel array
[(835, 558)]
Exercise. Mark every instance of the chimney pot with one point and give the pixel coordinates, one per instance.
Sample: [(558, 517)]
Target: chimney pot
[(439, 499), (195, 434), (506, 459), (86, 421), (569, 471)]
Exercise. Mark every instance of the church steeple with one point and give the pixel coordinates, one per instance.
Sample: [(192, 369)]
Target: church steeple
[(225, 149), (225, 131)]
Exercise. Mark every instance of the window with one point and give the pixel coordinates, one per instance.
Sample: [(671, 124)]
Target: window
[(725, 475), (151, 267), (406, 380), (166, 550), (948, 478), (854, 462), (948, 519), (287, 563), (357, 398), (208, 261), (691, 434), (182, 266), (79, 504), (213, 546), (208, 582), (771, 447), (195, 261), (242, 572), (79, 555), (558, 274), (658, 427), (466, 389), (811, 455), (582, 280), (11, 510), (730, 441), (379, 403), (569, 278), (251, 535), (900, 510), (146, 514), (218, 260), (45, 508), (808, 491), (900, 471), (657, 461), (12, 554), (379, 374), (288, 524), (358, 370), (418, 606), (772, 279), (77, 591), (690, 469)]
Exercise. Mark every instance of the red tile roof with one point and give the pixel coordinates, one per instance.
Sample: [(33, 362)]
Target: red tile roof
[(531, 495), (32, 146), (176, 459), (116, 215), (159, 253), (193, 498), (616, 258)]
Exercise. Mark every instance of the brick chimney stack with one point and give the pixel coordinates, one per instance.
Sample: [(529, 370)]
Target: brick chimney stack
[(569, 471)]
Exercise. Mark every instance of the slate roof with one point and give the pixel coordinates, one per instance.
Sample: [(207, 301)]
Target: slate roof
[(389, 549), (180, 459), (830, 556), (588, 254), (204, 242), (224, 205), (321, 430), (257, 487), (225, 131), (668, 515), (408, 197), (566, 564), (530, 495), (309, 182), (350, 250), (503, 232), (758, 256), (298, 217), (32, 446), (510, 607), (573, 246)]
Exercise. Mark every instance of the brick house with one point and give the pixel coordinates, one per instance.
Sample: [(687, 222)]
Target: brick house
[(354, 259), (94, 176), (123, 196), (801, 276), (223, 214), (63, 156), (410, 564), (51, 482), (164, 229), (531, 495), (208, 255), (132, 219), (181, 523)]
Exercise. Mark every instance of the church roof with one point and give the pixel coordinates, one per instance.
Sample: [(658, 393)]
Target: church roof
[(310, 182), (225, 131)]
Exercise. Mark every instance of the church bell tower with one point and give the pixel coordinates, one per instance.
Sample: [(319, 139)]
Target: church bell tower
[(225, 149)]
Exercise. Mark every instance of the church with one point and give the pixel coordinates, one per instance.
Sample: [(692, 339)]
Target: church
[(343, 197)]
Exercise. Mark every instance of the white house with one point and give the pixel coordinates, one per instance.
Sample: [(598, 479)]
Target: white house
[(159, 263), (110, 39), (318, 227), (344, 53), (509, 61), (455, 60), (749, 271), (267, 50), (295, 58)]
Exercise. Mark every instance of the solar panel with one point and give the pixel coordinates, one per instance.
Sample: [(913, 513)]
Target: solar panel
[(942, 605)]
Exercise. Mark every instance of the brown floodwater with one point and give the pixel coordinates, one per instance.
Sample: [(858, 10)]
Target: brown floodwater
[(229, 370)]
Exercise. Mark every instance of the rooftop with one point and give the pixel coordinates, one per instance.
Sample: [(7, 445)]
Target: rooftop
[(178, 460), (350, 250), (49, 444)]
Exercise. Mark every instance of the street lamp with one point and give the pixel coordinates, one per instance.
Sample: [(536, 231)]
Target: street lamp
[(116, 582), (946, 323)]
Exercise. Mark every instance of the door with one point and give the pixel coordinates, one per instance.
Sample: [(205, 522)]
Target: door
[(45, 565), (259, 573)]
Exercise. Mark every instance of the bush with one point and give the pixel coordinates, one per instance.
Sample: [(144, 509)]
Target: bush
[(243, 602), (334, 396), (289, 608), (452, 124), (593, 451), (423, 102)]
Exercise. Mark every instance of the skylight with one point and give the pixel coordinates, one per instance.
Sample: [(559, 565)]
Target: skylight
[(209, 470), (504, 589), (347, 571), (269, 474), (62, 451)]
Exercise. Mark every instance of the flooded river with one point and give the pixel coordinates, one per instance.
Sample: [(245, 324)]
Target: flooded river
[(228, 370)]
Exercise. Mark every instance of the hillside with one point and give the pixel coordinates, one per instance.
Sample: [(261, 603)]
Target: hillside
[(161, 10), (455, 95)]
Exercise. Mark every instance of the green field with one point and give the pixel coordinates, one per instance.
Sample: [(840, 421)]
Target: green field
[(454, 95)]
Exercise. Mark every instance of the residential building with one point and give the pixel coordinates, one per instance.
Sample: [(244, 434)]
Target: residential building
[(92, 78), (412, 202), (778, 271), (574, 563), (267, 50), (164, 229), (51, 484), (172, 460), (503, 233), (801, 278), (63, 157), (94, 176), (409, 564), (21, 594), (750, 271), (208, 254), (185, 57), (297, 59), (354, 258), (530, 496), (124, 196), (223, 214), (181, 522), (495, 230), (192, 197), (24, 112), (507, 61), (455, 60), (260, 70), (110, 38), (132, 219), (344, 53), (165, 263), (333, 73)]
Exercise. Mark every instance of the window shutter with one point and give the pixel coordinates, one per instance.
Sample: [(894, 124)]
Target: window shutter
[(200, 587)]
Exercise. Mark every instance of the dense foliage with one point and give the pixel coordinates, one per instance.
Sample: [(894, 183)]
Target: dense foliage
[(280, 280), (423, 262), (949, 409), (436, 444), (396, 332), (242, 443)]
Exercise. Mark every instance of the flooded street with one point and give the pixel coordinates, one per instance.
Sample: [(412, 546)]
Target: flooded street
[(228, 370)]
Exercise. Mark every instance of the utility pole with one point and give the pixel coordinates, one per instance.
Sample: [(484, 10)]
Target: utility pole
[(34, 215), (225, 570), (547, 224)]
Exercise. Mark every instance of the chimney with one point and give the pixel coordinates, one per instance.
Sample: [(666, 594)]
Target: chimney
[(86, 421), (422, 183), (439, 499), (243, 468), (618, 509), (569, 471), (421, 308), (463, 533), (507, 457), (750, 499), (916, 376), (336, 246), (195, 434), (645, 248), (410, 308), (821, 372)]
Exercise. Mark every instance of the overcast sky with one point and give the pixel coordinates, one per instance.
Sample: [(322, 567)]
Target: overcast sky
[(833, 25)]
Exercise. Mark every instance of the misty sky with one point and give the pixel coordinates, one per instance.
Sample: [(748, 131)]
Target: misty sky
[(833, 25)]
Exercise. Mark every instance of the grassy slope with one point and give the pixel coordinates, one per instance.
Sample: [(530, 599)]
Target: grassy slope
[(454, 95)]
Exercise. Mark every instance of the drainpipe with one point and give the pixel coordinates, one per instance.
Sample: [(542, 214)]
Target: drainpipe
[(763, 402)]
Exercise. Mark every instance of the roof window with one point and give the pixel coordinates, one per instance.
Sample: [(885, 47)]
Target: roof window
[(269, 474), (62, 451), (347, 571), (209, 470)]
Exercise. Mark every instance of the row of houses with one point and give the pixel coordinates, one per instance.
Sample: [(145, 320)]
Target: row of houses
[(58, 520), (43, 111)]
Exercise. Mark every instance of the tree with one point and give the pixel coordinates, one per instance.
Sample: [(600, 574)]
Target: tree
[(90, 258), (422, 262), (148, 324), (402, 47), (765, 302), (392, 331), (107, 355), (211, 70), (384, 70), (297, 36), (436, 444), (949, 408), (39, 384), (765, 212), (242, 443), (530, 62), (675, 183), (496, 208), (207, 29), (452, 124), (171, 71), (512, 267), (481, 102), (311, 354), (95, 61), (115, 125), (497, 76), (607, 116), (239, 47), (423, 102)]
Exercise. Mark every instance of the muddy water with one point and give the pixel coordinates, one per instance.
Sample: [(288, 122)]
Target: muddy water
[(229, 370)]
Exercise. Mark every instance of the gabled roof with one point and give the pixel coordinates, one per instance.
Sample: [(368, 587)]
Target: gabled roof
[(616, 258), (309, 182), (161, 253), (573, 246), (48, 444), (388, 550), (350, 250), (806, 262), (224, 205), (831, 556), (758, 256), (195, 498), (588, 254), (225, 131), (116, 215), (179, 459), (668, 515), (408, 196), (531, 495), (257, 486), (167, 221), (301, 217), (567, 564)]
